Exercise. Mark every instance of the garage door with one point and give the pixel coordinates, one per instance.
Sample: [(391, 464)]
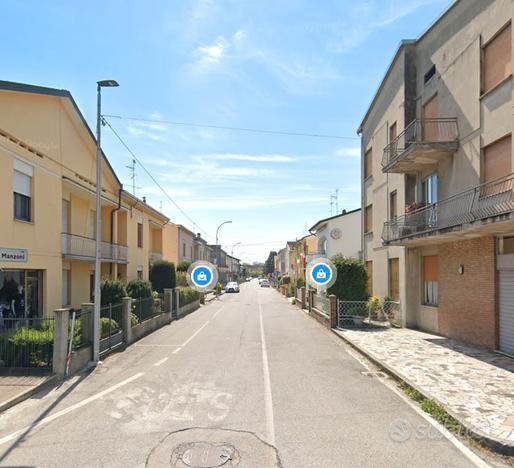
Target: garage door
[(507, 311)]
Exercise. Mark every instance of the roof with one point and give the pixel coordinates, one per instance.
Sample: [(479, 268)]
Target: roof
[(333, 217), (63, 93), (403, 43), (145, 205)]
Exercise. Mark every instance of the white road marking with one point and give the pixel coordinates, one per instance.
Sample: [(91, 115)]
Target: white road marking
[(157, 345), (192, 336), (176, 351), (162, 361), (78, 405), (217, 312), (270, 425)]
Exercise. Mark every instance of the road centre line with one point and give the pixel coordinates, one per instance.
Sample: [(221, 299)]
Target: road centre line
[(218, 311), (270, 425), (71, 408), (162, 361)]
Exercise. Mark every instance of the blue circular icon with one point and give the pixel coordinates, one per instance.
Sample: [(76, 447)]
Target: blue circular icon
[(321, 274), (201, 276)]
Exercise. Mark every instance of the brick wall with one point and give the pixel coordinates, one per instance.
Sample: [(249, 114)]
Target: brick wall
[(467, 303)]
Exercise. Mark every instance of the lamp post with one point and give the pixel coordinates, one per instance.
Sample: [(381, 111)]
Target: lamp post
[(216, 257), (233, 247), (98, 245)]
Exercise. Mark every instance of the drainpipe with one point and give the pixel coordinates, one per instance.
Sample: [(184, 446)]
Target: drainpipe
[(112, 225)]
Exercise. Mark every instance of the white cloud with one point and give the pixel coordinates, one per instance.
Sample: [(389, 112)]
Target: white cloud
[(349, 152), (211, 54), (139, 130)]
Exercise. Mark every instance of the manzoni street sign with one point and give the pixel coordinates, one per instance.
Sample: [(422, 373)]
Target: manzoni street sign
[(13, 255)]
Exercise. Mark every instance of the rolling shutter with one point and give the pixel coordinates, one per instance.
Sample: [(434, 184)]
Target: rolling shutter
[(507, 311)]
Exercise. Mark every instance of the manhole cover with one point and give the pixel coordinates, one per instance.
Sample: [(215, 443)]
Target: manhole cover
[(204, 454)]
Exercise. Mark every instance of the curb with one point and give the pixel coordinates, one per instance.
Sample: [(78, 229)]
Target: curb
[(493, 443), (26, 394)]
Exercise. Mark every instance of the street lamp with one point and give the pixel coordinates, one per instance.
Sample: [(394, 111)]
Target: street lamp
[(98, 265), (233, 247), (216, 258)]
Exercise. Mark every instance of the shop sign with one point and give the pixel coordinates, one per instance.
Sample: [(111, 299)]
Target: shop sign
[(13, 255)]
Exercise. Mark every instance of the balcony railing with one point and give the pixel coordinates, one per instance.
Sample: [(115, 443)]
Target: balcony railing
[(155, 257), (428, 134), (81, 247), (484, 201)]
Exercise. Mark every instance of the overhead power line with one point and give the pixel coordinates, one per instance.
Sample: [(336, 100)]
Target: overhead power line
[(237, 129), (152, 177)]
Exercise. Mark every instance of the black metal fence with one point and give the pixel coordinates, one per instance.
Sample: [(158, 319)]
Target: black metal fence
[(26, 343), (110, 320), (145, 308), (81, 328)]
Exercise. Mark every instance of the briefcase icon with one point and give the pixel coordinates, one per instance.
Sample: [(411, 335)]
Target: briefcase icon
[(201, 276), (321, 274)]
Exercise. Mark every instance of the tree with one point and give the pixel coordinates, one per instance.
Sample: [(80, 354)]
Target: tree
[(183, 266), (162, 276), (269, 265), (352, 279)]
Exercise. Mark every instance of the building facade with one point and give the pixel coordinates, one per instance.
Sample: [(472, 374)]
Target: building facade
[(47, 244), (339, 234), (437, 189)]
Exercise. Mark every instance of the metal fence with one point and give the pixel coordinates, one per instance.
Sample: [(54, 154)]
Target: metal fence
[(110, 319), (80, 328), (490, 199), (145, 308), (26, 343), (352, 314), (321, 304), (298, 294)]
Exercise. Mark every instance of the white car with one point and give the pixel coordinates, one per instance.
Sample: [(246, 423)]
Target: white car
[(232, 287), (264, 283)]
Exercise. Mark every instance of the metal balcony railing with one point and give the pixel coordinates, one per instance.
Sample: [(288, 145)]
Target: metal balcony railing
[(484, 201), (77, 246), (426, 132)]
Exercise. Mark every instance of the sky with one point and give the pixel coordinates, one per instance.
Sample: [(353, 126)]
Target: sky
[(295, 66)]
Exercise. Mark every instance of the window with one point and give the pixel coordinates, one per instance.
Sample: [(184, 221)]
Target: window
[(92, 286), (140, 235), (183, 249), (66, 283), (392, 133), (507, 245), (393, 204), (191, 251), (394, 279), (497, 59), (368, 163), (368, 219), (369, 269), (430, 279), (140, 271), (22, 188), (497, 159), (429, 188), (429, 74), (65, 223)]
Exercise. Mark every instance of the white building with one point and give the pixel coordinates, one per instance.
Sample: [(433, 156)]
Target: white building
[(339, 234)]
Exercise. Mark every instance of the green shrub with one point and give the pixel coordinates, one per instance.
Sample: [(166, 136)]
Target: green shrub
[(113, 291), (285, 279), (218, 288), (32, 345), (134, 320), (374, 303), (352, 278), (300, 282), (162, 276), (187, 295), (183, 266), (181, 278), (106, 329), (138, 288)]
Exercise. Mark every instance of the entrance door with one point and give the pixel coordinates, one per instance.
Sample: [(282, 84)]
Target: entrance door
[(506, 306), (430, 124), (33, 298)]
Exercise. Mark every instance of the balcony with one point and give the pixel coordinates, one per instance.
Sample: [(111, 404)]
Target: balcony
[(155, 257), (487, 203), (421, 145), (75, 247)]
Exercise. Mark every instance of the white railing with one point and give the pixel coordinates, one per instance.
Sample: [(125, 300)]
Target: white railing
[(321, 304), (73, 245)]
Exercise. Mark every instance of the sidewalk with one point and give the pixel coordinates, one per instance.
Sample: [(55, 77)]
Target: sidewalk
[(474, 385), (14, 389)]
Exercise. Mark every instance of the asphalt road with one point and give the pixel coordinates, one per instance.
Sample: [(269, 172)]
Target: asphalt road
[(248, 380)]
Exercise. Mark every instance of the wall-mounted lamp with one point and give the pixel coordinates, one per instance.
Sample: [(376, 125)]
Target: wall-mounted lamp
[(461, 269)]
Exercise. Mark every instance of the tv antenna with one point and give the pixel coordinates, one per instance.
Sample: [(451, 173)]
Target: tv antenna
[(334, 200)]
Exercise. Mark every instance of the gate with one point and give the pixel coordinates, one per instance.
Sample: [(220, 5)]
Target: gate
[(26, 345), (351, 314), (111, 335)]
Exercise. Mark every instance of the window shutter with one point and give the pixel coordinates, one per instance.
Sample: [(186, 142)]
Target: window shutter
[(394, 278), (21, 184), (497, 60), (497, 159), (431, 268)]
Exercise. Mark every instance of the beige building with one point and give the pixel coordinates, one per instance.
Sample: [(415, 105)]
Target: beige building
[(437, 189), (47, 244)]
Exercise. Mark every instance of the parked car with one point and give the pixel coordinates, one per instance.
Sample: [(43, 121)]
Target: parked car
[(264, 283), (232, 287)]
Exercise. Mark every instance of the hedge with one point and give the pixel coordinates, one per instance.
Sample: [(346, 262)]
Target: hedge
[(183, 266), (113, 291), (162, 276), (138, 289), (187, 295), (352, 279)]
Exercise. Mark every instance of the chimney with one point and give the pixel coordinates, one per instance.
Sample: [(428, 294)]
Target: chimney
[(144, 199), (344, 212)]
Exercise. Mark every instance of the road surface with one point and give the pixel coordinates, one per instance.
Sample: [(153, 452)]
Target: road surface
[(248, 380)]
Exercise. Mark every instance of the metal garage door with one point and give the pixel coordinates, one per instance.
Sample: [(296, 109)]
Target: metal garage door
[(507, 311)]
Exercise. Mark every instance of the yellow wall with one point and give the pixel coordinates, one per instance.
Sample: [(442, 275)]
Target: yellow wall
[(170, 243)]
